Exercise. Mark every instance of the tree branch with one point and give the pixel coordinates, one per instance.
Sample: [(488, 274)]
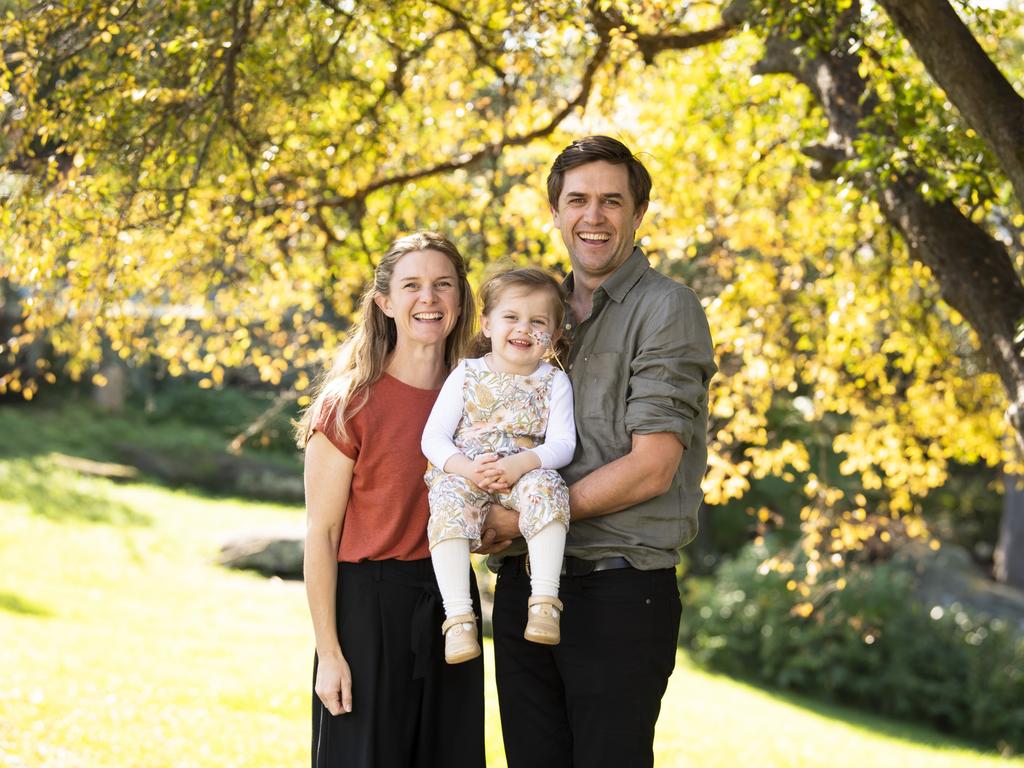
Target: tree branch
[(488, 150), (650, 45), (956, 61), (261, 421), (975, 272)]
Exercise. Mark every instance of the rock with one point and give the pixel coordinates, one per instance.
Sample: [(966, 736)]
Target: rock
[(271, 553), (219, 472), (948, 578)]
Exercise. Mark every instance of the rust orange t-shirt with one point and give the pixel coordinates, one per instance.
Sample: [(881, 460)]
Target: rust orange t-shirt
[(387, 510)]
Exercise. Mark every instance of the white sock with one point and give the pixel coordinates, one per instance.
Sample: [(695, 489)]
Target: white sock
[(546, 548), (451, 566)]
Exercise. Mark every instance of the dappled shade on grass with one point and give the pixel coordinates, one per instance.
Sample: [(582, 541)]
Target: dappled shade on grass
[(55, 492), (150, 642), (117, 636), (13, 603)]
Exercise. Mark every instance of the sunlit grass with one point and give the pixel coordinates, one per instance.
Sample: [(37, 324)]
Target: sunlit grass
[(123, 644), (146, 653)]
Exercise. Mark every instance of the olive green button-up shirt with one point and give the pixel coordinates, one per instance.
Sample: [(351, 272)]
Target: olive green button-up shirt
[(640, 364)]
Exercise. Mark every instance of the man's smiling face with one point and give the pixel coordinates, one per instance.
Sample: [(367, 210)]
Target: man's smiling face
[(597, 218)]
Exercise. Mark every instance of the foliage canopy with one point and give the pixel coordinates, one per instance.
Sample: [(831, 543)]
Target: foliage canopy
[(209, 182)]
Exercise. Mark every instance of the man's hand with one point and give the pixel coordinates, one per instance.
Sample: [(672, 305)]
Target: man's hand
[(501, 527)]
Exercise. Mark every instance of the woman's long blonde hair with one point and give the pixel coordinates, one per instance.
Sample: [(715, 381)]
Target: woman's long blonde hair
[(363, 355)]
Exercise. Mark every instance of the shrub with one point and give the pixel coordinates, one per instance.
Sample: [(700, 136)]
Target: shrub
[(227, 410), (867, 641)]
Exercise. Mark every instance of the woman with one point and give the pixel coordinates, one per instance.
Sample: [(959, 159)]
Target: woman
[(383, 693)]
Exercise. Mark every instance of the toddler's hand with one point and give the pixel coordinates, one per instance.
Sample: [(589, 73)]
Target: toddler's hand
[(482, 471), (508, 470)]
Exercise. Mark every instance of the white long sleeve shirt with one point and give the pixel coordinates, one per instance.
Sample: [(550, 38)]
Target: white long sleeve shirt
[(559, 439)]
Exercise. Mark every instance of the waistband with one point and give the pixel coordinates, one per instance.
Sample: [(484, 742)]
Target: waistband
[(415, 573), (571, 566)]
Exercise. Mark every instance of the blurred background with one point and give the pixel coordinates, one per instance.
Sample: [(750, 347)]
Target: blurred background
[(193, 195)]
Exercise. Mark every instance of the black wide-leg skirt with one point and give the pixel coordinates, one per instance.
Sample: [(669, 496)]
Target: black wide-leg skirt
[(409, 708)]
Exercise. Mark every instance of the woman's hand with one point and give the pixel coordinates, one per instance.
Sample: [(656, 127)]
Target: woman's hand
[(334, 684)]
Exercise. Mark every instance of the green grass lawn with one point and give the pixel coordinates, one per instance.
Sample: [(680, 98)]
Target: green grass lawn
[(122, 644)]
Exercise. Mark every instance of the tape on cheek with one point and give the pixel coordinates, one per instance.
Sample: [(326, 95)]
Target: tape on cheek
[(542, 337)]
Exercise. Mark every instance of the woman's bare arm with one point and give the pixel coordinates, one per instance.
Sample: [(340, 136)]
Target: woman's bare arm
[(328, 478)]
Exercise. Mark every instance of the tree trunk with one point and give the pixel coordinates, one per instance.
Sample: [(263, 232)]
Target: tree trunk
[(110, 396), (1009, 554), (976, 276), (969, 77)]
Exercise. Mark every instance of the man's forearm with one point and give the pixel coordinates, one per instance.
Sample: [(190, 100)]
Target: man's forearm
[(643, 473)]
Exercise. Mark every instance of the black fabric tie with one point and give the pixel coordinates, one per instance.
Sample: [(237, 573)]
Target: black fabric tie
[(426, 630)]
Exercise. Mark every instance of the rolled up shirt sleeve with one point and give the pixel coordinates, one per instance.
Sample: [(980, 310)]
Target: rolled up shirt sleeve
[(668, 385)]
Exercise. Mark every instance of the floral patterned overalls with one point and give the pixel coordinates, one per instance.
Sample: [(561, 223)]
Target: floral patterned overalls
[(503, 413)]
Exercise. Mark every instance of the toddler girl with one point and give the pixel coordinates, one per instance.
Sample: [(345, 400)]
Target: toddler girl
[(501, 426)]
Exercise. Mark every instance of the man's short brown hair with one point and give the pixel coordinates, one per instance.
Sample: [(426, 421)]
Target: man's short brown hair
[(591, 149)]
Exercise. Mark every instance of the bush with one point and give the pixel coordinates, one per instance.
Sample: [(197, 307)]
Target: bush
[(869, 643), (227, 410)]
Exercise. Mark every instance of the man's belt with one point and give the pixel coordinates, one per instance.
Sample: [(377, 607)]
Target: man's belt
[(571, 566)]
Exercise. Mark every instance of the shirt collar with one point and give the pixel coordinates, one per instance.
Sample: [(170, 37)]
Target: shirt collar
[(619, 282)]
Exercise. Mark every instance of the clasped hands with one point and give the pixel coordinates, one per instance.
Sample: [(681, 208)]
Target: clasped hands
[(495, 475), (491, 473)]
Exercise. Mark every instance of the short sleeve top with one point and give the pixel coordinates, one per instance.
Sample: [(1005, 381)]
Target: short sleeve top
[(386, 516)]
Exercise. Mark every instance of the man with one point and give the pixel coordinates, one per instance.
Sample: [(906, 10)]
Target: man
[(640, 363)]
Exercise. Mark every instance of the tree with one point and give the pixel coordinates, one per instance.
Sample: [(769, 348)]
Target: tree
[(977, 275), (208, 183)]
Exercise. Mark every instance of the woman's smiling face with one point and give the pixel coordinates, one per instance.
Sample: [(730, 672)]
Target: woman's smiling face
[(424, 297)]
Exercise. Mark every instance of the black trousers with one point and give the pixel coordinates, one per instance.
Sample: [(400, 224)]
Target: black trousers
[(409, 708), (593, 700)]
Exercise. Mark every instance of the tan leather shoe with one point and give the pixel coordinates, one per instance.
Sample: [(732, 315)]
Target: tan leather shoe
[(460, 643), (542, 625)]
